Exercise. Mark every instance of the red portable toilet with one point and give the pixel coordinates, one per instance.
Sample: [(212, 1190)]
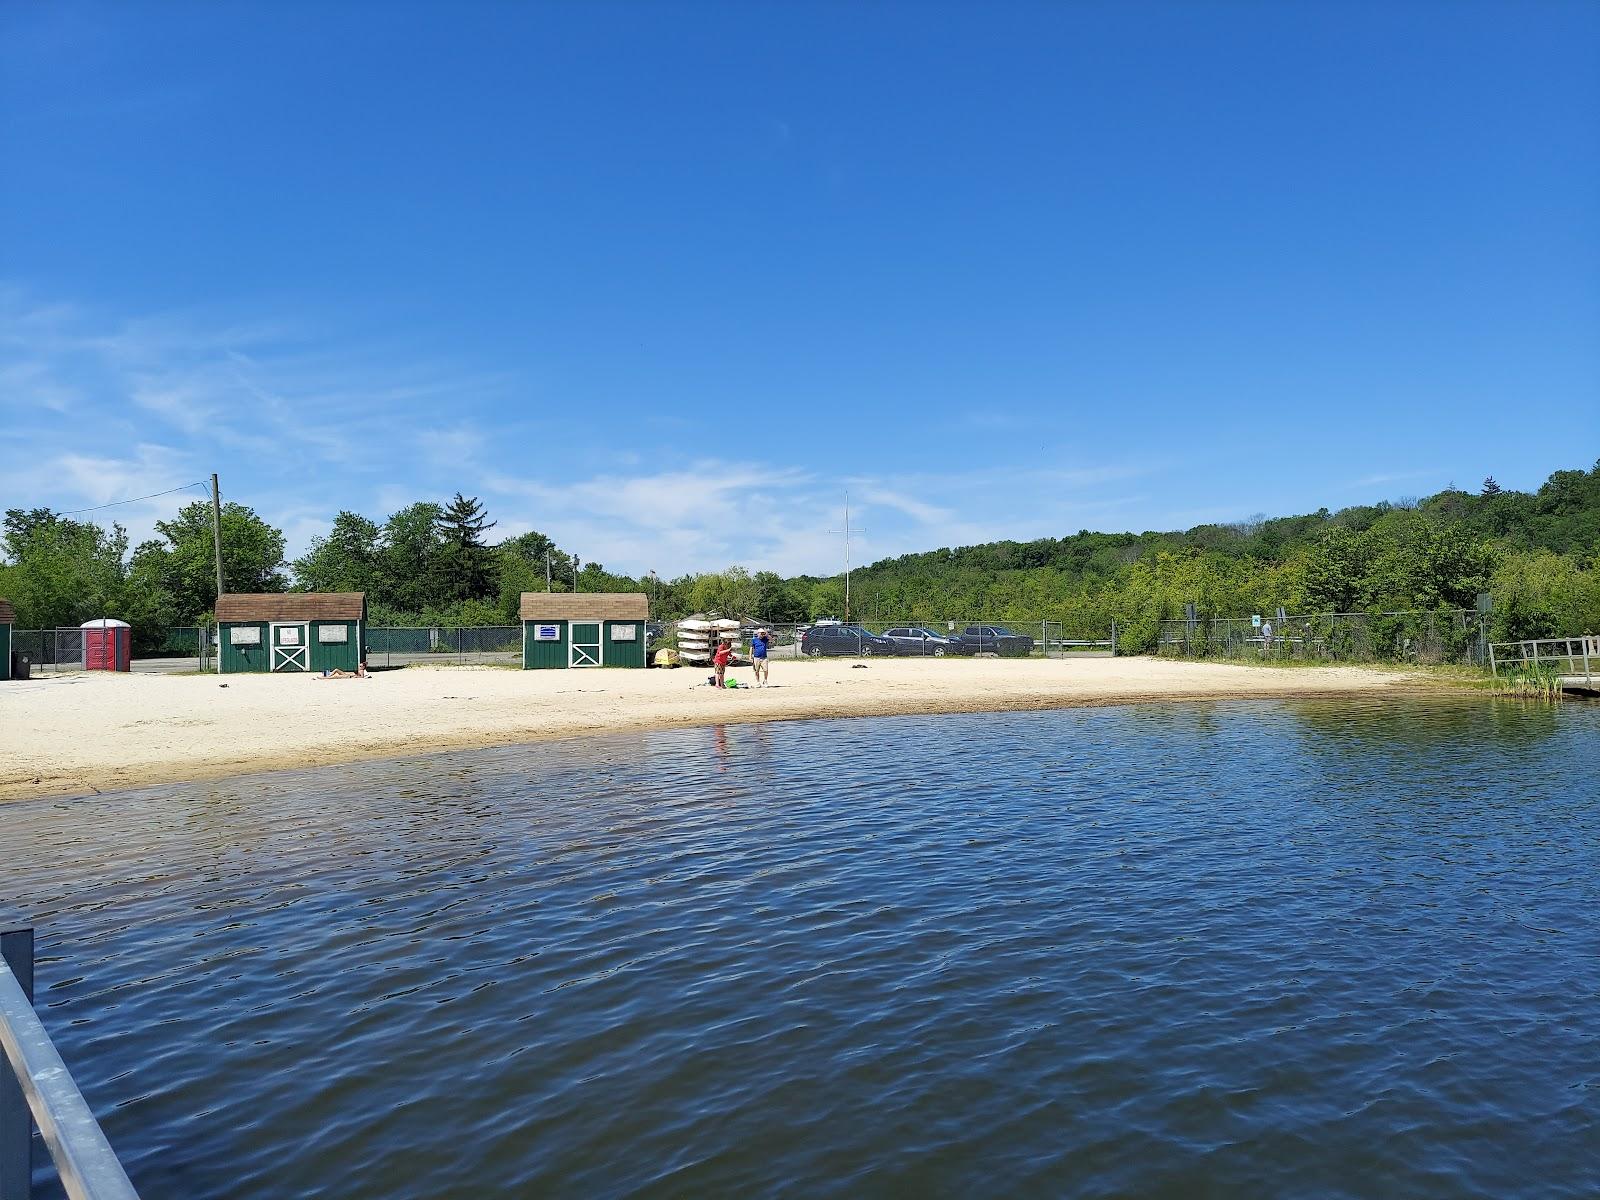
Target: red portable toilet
[(106, 645)]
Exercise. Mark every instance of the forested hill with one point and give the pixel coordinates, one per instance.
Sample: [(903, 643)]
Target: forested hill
[(1536, 551), (1562, 516)]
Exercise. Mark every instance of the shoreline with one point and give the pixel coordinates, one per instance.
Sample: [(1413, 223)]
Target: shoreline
[(77, 735)]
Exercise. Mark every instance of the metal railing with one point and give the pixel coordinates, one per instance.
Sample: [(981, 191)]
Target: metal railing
[(38, 1088), (1575, 659)]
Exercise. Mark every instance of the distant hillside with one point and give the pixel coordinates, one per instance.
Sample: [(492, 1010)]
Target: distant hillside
[(1536, 551)]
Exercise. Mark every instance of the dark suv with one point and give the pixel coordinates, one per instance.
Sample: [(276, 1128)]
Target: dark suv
[(991, 639), (914, 639), (842, 641)]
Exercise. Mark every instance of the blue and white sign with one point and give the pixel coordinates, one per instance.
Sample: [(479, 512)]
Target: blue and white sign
[(547, 633)]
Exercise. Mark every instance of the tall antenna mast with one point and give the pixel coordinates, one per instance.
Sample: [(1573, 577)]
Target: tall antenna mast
[(847, 531)]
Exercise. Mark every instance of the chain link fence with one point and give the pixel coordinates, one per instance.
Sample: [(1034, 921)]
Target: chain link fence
[(193, 648), (49, 650), (1431, 637), (392, 646), (178, 649), (1039, 638)]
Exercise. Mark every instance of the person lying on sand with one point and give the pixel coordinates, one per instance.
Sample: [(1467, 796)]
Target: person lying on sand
[(359, 673)]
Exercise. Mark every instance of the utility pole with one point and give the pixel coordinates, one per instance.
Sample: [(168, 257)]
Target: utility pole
[(847, 531), (216, 527), (576, 563), (547, 586)]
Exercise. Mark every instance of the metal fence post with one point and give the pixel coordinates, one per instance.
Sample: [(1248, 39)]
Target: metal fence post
[(16, 1124)]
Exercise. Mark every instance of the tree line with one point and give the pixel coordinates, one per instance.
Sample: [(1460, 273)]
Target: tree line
[(1537, 554)]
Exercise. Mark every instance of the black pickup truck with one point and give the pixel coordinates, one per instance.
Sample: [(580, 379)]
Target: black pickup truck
[(990, 639)]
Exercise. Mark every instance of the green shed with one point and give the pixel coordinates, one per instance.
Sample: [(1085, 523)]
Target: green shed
[(583, 629), (8, 617), (291, 631)]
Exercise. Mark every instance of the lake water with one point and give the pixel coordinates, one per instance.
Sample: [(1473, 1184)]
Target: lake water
[(1276, 949)]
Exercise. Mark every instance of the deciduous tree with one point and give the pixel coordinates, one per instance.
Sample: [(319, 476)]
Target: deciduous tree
[(176, 578)]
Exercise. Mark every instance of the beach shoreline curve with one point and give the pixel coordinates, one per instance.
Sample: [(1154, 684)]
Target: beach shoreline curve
[(77, 735)]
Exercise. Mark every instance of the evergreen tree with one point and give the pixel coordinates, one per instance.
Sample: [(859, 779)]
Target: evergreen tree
[(467, 564), (1490, 487)]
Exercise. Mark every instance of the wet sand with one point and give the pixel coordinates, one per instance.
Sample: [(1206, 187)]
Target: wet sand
[(76, 734)]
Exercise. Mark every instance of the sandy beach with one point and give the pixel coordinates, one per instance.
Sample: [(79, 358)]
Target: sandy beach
[(81, 733)]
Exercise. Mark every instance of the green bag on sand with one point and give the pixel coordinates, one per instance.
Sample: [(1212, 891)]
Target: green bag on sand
[(733, 683)]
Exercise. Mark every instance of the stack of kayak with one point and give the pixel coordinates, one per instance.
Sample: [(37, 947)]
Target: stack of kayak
[(698, 637)]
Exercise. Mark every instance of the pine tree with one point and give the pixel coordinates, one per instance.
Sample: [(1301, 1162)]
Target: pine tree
[(468, 566), (1490, 487)]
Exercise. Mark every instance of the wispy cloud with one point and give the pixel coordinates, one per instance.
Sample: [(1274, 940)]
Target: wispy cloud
[(301, 425), (782, 517), (918, 510), (286, 414), (1383, 479), (92, 478)]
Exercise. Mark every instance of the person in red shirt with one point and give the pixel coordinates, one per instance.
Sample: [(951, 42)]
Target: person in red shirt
[(720, 659)]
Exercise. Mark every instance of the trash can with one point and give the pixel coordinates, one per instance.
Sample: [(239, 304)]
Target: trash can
[(21, 664)]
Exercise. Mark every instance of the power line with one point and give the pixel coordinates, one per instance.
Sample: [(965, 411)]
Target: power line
[(72, 512)]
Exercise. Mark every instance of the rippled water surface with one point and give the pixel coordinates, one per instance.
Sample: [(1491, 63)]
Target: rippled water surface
[(1264, 949)]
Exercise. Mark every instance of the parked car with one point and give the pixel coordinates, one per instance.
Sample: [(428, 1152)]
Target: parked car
[(914, 639), (842, 641), (990, 639)]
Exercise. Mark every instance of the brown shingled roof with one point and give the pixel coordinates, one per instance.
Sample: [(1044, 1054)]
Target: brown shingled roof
[(585, 606), (292, 606), (8, 615)]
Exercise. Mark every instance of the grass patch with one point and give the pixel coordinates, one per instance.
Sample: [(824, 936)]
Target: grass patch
[(1530, 682)]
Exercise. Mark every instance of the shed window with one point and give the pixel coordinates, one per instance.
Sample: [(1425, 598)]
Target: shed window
[(333, 633), (245, 636)]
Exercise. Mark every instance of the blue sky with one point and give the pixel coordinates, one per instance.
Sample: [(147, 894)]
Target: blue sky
[(665, 280)]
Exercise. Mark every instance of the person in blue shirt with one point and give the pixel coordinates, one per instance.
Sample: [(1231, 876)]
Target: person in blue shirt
[(758, 655)]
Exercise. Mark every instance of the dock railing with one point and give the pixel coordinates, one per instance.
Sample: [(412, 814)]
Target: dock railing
[(1575, 659), (36, 1087)]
